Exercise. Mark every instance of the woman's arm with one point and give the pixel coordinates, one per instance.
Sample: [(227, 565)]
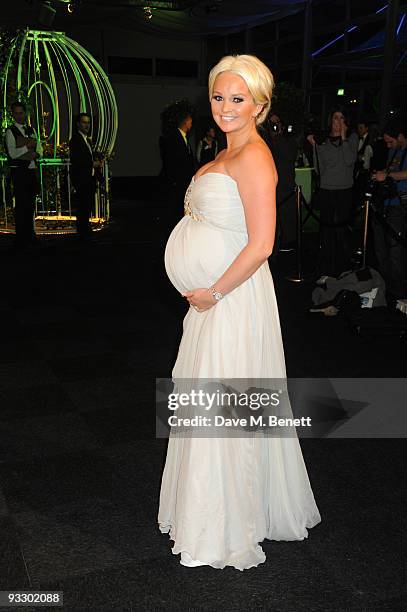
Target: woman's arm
[(256, 179), (401, 175)]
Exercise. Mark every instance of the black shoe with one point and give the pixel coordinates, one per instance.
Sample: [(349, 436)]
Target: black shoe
[(287, 247)]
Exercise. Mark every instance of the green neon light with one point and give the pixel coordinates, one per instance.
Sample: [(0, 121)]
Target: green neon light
[(30, 55), (56, 51), (52, 161), (20, 63), (109, 99), (79, 84), (78, 77), (6, 72), (53, 102), (54, 99)]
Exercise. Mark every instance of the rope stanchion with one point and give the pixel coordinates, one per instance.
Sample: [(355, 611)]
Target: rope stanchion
[(297, 277), (365, 227), (369, 205), (311, 213)]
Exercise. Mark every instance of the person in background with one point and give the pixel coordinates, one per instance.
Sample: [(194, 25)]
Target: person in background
[(390, 253), (207, 148), (364, 149), (362, 166), (380, 151), (23, 148), (284, 149), (178, 162), (83, 168), (334, 160)]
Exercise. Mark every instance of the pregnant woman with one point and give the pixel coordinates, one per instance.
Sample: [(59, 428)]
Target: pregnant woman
[(220, 497)]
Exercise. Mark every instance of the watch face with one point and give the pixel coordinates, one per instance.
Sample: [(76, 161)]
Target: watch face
[(217, 295)]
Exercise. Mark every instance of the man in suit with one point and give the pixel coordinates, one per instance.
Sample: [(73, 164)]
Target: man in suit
[(362, 166), (284, 148), (23, 148), (178, 162), (83, 174)]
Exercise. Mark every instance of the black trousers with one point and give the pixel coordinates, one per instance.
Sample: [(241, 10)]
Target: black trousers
[(287, 218), (83, 202), (391, 256), (25, 186), (336, 235), (359, 189)]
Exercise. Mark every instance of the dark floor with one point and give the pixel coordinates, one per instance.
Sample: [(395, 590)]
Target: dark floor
[(84, 331)]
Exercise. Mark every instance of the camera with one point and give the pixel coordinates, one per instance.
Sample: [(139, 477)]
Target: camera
[(280, 128), (384, 190), (381, 191), (320, 135)]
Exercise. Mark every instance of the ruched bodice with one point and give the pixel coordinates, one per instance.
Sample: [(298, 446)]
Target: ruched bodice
[(213, 198)]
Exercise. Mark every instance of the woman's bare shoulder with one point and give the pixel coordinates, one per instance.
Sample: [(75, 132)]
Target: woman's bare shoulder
[(257, 149), (254, 158)]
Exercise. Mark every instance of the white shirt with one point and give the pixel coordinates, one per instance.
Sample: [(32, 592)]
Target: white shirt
[(16, 152), (362, 140), (367, 157), (87, 141), (184, 136), (368, 152), (205, 144), (89, 147)]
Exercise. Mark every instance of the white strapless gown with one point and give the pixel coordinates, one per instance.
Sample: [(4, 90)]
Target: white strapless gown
[(221, 497)]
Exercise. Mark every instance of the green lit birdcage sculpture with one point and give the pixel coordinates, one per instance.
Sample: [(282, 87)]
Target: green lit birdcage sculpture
[(57, 78)]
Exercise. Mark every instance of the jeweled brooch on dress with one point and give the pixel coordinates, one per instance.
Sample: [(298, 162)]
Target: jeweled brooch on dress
[(187, 206)]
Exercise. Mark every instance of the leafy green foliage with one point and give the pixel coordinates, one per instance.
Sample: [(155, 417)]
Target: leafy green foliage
[(288, 104)]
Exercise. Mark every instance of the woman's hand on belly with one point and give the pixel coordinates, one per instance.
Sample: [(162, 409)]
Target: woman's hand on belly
[(201, 299)]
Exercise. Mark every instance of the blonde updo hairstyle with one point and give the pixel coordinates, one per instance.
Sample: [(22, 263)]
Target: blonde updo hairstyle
[(256, 75)]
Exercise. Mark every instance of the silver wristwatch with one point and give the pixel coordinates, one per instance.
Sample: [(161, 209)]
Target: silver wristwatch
[(216, 294)]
